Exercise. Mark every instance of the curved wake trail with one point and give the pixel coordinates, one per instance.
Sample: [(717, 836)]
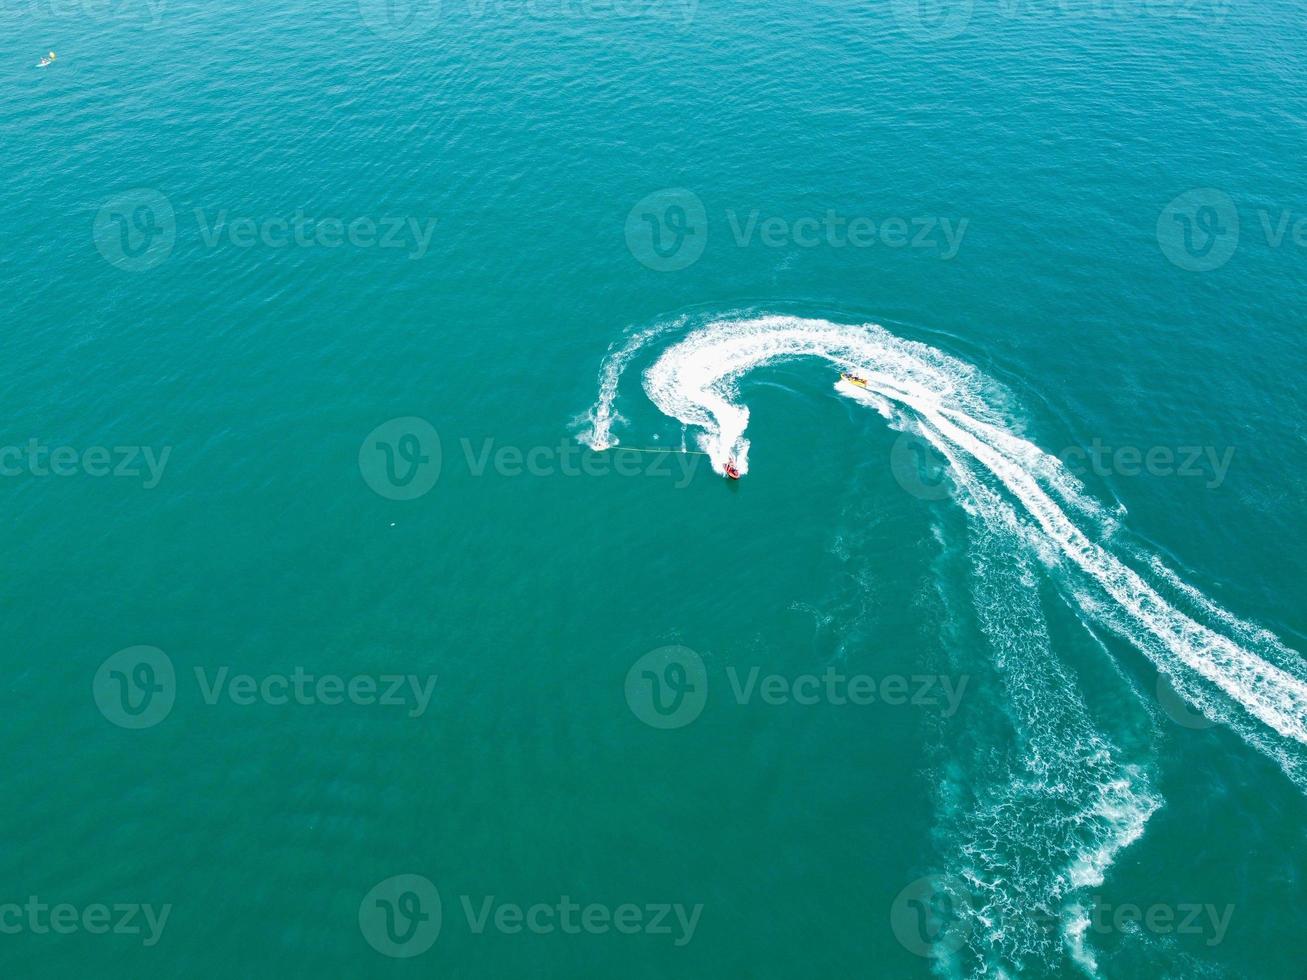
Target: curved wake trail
[(1231, 671), (945, 401)]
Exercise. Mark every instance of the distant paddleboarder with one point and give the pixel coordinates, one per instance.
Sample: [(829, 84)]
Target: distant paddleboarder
[(47, 61)]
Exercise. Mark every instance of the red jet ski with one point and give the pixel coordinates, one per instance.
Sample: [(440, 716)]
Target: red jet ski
[(732, 471)]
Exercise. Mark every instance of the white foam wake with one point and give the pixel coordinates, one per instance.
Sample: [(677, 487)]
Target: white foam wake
[(601, 415), (1046, 813), (952, 405)]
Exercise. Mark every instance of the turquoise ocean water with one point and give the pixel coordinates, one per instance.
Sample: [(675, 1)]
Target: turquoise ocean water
[(322, 322)]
